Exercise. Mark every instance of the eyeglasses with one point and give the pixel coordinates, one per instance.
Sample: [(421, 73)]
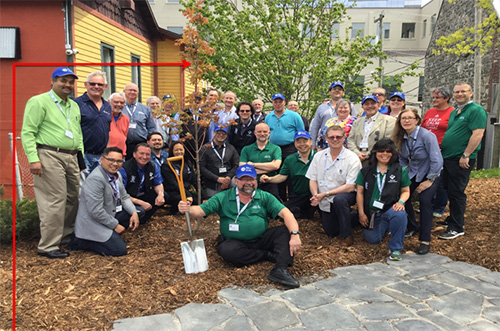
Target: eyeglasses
[(408, 118), (378, 94), (113, 160), (380, 151), (396, 100), (245, 110), (334, 137), (458, 92), (94, 84)]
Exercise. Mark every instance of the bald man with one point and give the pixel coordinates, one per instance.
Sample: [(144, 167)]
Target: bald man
[(141, 122)]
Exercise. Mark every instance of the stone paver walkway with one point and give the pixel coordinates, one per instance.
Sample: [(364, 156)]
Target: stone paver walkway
[(429, 292)]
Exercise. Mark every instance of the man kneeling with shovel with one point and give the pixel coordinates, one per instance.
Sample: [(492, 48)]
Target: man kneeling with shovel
[(246, 238)]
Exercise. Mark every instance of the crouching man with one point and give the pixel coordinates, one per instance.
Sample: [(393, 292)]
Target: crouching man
[(105, 209), (246, 238)]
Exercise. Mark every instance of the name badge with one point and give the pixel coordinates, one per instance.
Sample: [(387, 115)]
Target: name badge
[(378, 204), (234, 227), (132, 126), (323, 183), (223, 169), (363, 144), (119, 208), (68, 134)]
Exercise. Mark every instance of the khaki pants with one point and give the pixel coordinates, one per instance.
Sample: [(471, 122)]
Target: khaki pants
[(56, 193)]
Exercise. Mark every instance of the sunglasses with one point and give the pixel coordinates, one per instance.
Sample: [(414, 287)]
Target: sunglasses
[(94, 84), (378, 94), (380, 151), (334, 137)]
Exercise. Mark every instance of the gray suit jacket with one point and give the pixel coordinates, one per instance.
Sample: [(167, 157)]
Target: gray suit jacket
[(382, 128), (95, 220)]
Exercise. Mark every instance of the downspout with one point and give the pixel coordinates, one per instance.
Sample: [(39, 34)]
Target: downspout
[(67, 31)]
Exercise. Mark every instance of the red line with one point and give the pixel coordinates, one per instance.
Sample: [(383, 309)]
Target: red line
[(98, 64), (14, 198)]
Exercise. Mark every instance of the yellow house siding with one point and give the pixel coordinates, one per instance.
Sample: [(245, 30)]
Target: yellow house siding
[(90, 31), (169, 77)]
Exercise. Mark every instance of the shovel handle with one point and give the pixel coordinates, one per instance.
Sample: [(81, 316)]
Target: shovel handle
[(182, 190)]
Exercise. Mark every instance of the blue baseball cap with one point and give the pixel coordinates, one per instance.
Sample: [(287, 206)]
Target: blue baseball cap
[(302, 134), (278, 96), (220, 128), (60, 72), (369, 97), (246, 170), (167, 96), (398, 94), (337, 83)]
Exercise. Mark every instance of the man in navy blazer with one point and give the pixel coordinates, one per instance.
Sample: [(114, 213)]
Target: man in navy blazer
[(105, 209)]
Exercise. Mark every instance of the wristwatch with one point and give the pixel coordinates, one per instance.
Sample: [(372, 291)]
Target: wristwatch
[(294, 232), (465, 156)]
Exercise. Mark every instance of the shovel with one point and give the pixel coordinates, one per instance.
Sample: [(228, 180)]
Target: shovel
[(193, 251)]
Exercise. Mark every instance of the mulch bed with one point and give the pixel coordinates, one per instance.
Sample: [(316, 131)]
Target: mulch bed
[(89, 292)]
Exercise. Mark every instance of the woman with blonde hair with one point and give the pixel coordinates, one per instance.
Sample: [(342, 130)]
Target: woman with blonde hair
[(419, 152)]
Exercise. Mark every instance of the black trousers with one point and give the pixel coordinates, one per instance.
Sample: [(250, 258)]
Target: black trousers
[(425, 199), (241, 253), (300, 205), (339, 220), (286, 185), (455, 181)]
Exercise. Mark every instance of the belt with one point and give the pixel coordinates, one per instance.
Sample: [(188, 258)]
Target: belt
[(56, 149)]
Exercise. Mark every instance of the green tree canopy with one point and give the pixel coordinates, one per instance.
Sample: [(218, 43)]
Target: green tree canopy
[(289, 46)]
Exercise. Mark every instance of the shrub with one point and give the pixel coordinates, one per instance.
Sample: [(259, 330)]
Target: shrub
[(27, 222)]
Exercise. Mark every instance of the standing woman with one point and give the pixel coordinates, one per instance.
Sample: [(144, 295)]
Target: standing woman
[(436, 121), (420, 154), (170, 182), (382, 192), (344, 119), (397, 102)]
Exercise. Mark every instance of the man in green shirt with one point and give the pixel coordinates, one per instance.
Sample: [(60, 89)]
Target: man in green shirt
[(246, 238), (461, 142), (296, 166), (264, 156), (52, 137)]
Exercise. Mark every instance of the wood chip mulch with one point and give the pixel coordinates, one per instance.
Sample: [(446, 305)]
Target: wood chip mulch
[(90, 292)]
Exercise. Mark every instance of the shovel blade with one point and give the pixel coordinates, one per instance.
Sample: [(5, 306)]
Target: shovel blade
[(194, 256)]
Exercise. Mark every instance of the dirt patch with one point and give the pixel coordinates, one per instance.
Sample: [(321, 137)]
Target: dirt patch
[(89, 292)]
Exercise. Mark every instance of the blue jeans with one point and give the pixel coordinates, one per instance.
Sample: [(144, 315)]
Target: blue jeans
[(393, 220), (91, 162), (440, 199)]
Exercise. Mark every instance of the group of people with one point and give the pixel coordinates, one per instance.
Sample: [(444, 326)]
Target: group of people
[(253, 166)]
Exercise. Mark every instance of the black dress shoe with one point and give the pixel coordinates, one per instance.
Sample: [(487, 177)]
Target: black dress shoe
[(283, 276), (423, 249), (55, 254)]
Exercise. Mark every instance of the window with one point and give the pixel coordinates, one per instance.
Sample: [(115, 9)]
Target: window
[(10, 43), (335, 30), (175, 29), (433, 22), (390, 84), (420, 88), (173, 1), (408, 31), (108, 56), (136, 74), (358, 28), (424, 28), (386, 30), (354, 90)]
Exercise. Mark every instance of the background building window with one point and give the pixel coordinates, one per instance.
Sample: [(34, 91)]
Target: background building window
[(433, 22), (391, 85), (355, 86), (335, 30), (408, 31), (136, 73), (175, 29), (424, 28), (386, 33), (108, 56), (10, 43), (358, 28)]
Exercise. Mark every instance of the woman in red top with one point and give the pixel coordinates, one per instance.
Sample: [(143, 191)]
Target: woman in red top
[(436, 121)]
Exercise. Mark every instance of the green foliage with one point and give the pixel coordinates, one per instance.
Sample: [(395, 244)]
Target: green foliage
[(486, 173), (289, 46), (467, 40), (27, 222)]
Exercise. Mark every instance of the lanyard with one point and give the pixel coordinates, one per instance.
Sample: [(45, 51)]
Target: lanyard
[(381, 181), (326, 160), (132, 111), (238, 204), (60, 108), (217, 153)]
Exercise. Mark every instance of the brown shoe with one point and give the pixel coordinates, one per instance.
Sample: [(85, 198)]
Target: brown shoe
[(347, 241)]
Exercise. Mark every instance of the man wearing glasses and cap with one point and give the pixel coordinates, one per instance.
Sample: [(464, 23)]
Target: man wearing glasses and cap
[(380, 94), (246, 238), (326, 111), (52, 138)]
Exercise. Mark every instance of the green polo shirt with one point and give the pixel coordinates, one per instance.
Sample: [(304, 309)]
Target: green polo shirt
[(459, 130), (253, 154), (405, 182), (294, 167), (252, 222), (45, 124)]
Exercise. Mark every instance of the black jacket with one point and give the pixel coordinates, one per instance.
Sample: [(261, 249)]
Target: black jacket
[(210, 164), (240, 137)]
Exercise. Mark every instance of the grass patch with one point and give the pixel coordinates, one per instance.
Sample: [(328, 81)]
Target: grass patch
[(486, 173)]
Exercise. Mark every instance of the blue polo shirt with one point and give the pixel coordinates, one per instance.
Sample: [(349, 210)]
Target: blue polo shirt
[(158, 161), (94, 123), (283, 129)]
